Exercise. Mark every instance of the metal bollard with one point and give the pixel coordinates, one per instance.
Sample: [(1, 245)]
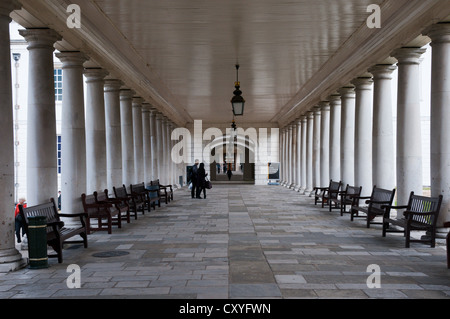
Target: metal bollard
[(37, 242)]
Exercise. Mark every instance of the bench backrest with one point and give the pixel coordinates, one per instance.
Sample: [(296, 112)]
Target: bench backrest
[(88, 200), (353, 190), (155, 183), (382, 195), (421, 204), (334, 189), (101, 196), (138, 188), (120, 192), (47, 210)]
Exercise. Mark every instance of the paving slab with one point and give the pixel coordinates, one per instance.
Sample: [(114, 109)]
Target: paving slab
[(243, 241)]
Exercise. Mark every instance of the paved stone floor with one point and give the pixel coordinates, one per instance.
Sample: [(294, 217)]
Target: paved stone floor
[(243, 241)]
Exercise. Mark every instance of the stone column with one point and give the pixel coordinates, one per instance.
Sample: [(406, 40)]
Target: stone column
[(153, 142), (73, 136), (282, 156), (409, 137), (303, 154), (42, 175), (348, 135), (159, 144), (95, 130), (10, 258), (289, 156), (285, 154), (309, 153), (335, 137), (138, 141), (383, 160), (298, 157), (164, 175), (363, 134), (440, 117), (325, 143), (147, 151), (126, 120), (113, 134), (316, 148)]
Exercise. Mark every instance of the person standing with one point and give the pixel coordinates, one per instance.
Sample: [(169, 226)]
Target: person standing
[(201, 180), (18, 220), (194, 178)]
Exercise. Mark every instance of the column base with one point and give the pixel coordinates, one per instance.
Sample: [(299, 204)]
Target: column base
[(11, 260)]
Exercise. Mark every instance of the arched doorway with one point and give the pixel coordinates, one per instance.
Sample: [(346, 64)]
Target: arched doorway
[(235, 154)]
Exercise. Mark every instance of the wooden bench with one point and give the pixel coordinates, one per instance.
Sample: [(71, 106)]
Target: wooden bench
[(421, 214), (101, 211), (378, 205), (346, 198), (121, 205), (165, 191), (122, 194), (324, 194), (143, 193), (447, 225), (57, 233)]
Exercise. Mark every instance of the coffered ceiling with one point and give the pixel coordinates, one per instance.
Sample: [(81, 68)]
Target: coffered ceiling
[(180, 55)]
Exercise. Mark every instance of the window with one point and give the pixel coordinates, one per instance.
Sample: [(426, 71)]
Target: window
[(58, 84), (59, 153)]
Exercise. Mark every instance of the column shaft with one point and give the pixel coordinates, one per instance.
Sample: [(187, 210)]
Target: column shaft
[(10, 258), (363, 134), (383, 160), (147, 154), (316, 149), (348, 136), (42, 175), (303, 155), (440, 117), (95, 130), (73, 136), (154, 146), (138, 141), (325, 143), (309, 153), (126, 120), (335, 138), (409, 137)]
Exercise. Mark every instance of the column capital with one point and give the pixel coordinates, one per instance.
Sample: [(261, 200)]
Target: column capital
[(299, 121), (146, 107), (137, 101), (72, 59), (439, 33), (324, 105), (126, 94), (317, 110), (310, 115), (112, 85), (407, 55), (383, 71), (335, 98), (8, 6), (95, 74), (43, 38), (347, 92), (363, 83)]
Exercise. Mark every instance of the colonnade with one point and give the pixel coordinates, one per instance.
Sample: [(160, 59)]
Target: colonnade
[(116, 138), (350, 136)]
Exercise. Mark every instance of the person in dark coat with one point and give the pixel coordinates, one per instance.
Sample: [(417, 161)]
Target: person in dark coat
[(201, 180), (229, 173), (194, 178)]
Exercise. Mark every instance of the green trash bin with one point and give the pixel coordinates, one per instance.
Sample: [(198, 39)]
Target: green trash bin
[(37, 242)]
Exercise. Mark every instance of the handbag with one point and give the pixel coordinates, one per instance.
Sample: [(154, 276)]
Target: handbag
[(208, 184)]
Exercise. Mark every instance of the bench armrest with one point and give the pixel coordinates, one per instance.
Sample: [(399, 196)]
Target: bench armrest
[(59, 224), (393, 207), (377, 202), (74, 215)]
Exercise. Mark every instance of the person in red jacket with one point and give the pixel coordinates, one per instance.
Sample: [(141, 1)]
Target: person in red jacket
[(18, 219)]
